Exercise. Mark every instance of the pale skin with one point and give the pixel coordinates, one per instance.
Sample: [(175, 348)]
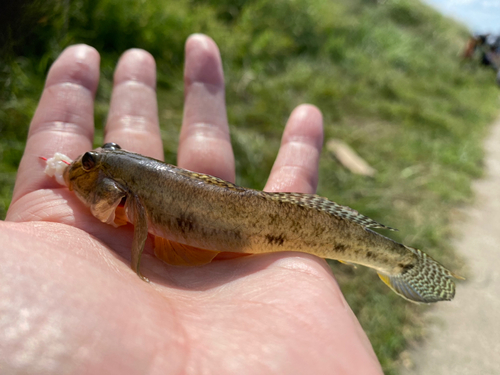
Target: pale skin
[(69, 301)]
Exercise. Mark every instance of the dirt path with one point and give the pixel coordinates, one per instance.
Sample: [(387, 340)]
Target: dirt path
[(466, 339)]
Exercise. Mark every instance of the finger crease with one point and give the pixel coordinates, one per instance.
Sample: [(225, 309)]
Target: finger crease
[(212, 87), (302, 140), (132, 123), (303, 171), (130, 82), (73, 85), (206, 130), (61, 127)]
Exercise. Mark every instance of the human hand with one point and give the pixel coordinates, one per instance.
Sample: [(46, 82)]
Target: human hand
[(69, 301)]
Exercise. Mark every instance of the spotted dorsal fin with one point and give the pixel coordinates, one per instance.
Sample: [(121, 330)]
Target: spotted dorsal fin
[(323, 204), (210, 180), (303, 200)]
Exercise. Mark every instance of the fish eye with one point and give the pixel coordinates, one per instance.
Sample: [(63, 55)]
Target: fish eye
[(89, 160), (111, 146)]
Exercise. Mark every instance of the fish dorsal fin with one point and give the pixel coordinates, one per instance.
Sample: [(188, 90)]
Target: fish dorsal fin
[(208, 179), (305, 200), (323, 204), (178, 254)]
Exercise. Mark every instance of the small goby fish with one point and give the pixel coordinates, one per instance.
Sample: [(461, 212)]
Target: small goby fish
[(194, 216)]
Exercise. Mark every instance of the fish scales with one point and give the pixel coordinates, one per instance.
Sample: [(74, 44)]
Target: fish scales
[(199, 215)]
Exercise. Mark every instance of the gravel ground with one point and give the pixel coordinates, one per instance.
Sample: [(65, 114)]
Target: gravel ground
[(466, 339)]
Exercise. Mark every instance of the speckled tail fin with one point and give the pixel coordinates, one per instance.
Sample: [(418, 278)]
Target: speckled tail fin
[(178, 254), (423, 281)]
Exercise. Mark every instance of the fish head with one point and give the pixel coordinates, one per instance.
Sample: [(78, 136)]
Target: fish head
[(83, 174), (87, 173)]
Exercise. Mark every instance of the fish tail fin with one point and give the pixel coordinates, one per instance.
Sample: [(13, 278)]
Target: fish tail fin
[(423, 281)]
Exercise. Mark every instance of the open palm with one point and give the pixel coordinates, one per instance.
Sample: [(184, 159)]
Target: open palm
[(69, 302)]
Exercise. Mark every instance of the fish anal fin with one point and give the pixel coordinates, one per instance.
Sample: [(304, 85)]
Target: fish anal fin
[(178, 254), (225, 255), (347, 263), (398, 285)]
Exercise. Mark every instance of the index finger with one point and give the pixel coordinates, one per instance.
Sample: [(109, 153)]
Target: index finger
[(64, 119)]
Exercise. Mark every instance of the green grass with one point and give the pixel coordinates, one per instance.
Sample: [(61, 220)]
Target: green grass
[(386, 76)]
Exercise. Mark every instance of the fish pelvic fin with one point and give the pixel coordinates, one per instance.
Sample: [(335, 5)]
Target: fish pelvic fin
[(323, 204), (424, 281), (178, 254)]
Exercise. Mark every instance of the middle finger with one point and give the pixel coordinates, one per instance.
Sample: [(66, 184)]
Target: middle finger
[(205, 145)]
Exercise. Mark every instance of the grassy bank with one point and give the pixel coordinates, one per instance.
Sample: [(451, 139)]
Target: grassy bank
[(386, 76)]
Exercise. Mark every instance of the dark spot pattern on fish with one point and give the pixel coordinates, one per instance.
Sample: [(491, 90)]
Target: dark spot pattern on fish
[(185, 223), (273, 218), (406, 267), (340, 248), (235, 234), (295, 225), (275, 240), (318, 231)]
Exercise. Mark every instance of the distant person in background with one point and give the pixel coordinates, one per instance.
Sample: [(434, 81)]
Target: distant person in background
[(479, 44), (470, 48), (489, 50), (494, 42), (494, 54), (488, 46)]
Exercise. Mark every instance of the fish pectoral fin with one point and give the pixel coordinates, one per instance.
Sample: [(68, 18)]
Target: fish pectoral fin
[(348, 263), (178, 254), (107, 197)]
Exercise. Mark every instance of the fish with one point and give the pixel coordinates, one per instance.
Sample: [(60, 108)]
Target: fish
[(194, 217)]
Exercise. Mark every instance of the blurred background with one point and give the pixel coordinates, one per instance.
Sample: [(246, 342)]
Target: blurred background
[(389, 77)]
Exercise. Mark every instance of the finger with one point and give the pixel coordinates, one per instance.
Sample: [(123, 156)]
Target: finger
[(133, 112), (64, 119), (205, 144), (296, 167)]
